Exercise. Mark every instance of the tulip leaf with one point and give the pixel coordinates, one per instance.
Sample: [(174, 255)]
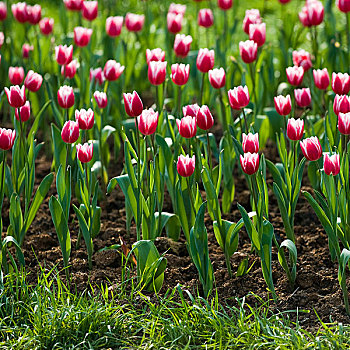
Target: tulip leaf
[(38, 119), (60, 153), (291, 272), (16, 218)]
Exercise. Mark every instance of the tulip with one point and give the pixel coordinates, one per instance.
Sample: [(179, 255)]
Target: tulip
[(321, 78), (257, 33), (70, 131), (251, 17), (16, 96), (16, 75), (295, 129), (343, 5), (248, 50), (70, 69), (187, 127), (46, 25), (190, 110), (19, 11), (26, 48), (341, 83), (295, 75), (113, 70), (225, 4), (249, 163), (205, 18), (186, 165), (90, 10), (74, 5), (204, 118), (155, 55), (82, 36), (2, 39), (148, 121), (34, 14), (283, 105), (311, 148), (344, 123), (174, 22), (3, 11), (114, 25), (133, 22), (180, 73), (101, 99), (24, 112), (98, 75), (65, 96), (85, 152), (302, 58), (341, 104), (304, 18), (331, 164), (85, 118), (133, 104), (250, 143), (302, 97), (64, 54), (284, 1), (157, 72), (205, 60), (33, 81), (182, 45), (239, 97), (312, 14), (177, 9), (217, 78), (7, 138)]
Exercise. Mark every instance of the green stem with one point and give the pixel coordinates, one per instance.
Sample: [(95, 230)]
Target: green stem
[(101, 153), (245, 121), (138, 221), (223, 111), (252, 74), (210, 161), (202, 89)]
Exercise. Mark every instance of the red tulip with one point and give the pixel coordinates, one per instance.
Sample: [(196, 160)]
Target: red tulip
[(302, 58), (217, 78), (82, 36), (113, 70), (312, 14), (284, 1), (70, 69), (114, 25), (7, 138), (341, 83), (16, 96), (295, 75), (225, 4), (65, 96), (46, 25), (148, 121), (74, 5), (239, 97), (180, 73), (251, 17), (186, 165), (343, 5), (190, 110), (85, 152), (174, 22), (34, 14), (64, 54), (344, 123), (133, 104), (177, 9), (204, 118), (85, 118), (257, 33), (321, 78), (26, 48), (70, 131), (250, 143), (205, 18), (187, 127), (33, 81), (248, 50), (133, 22), (157, 72), (302, 97), (3, 11), (283, 105), (182, 45), (90, 10), (205, 60), (16, 75), (341, 104), (98, 75), (331, 164), (24, 112), (2, 39), (155, 55), (311, 148), (101, 99), (249, 163), (295, 129), (19, 11)]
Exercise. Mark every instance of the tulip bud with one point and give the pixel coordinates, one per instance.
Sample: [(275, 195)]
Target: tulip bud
[(33, 81), (16, 96), (180, 73), (70, 131), (133, 104), (250, 143), (205, 60), (90, 10), (85, 152), (177, 9), (16, 75), (74, 5), (344, 123), (257, 33), (63, 54), (205, 18), (46, 25), (341, 104), (82, 36), (7, 138), (157, 72), (204, 118), (19, 11), (70, 69), (248, 50), (343, 5), (187, 127), (114, 26), (34, 14), (155, 55), (65, 96), (331, 164), (186, 165), (26, 49), (148, 121), (341, 83), (321, 78), (217, 78), (182, 45), (283, 105), (97, 75), (101, 99), (3, 11), (302, 97), (239, 97), (85, 118), (225, 4), (251, 17), (295, 129), (133, 22), (295, 75), (24, 112), (190, 110), (249, 163), (174, 22), (113, 70), (311, 148), (302, 58)]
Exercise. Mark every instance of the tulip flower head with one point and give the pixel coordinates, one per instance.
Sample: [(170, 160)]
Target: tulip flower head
[(97, 75), (157, 72), (283, 105), (148, 121), (331, 164), (33, 14), (85, 118), (70, 131), (19, 11), (311, 148), (155, 55), (133, 22), (74, 5), (33, 81), (250, 143), (85, 152), (344, 123), (178, 9), (7, 138), (248, 50), (239, 97), (182, 45), (225, 4), (174, 22), (16, 75), (180, 73), (46, 25), (205, 18), (257, 33), (217, 78), (114, 26), (249, 163), (133, 104), (2, 39), (302, 58), (23, 113), (3, 11), (190, 110), (295, 129), (90, 10), (295, 75), (205, 60), (341, 83), (186, 165), (64, 54), (312, 14), (187, 127), (321, 78), (284, 1), (101, 99), (341, 104), (26, 49), (251, 17), (82, 36), (70, 69), (343, 5), (205, 120), (302, 97), (16, 96), (65, 97), (113, 70)]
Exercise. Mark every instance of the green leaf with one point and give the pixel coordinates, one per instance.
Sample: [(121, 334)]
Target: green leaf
[(37, 120), (16, 218), (63, 185), (293, 256), (171, 223), (60, 148), (343, 261)]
